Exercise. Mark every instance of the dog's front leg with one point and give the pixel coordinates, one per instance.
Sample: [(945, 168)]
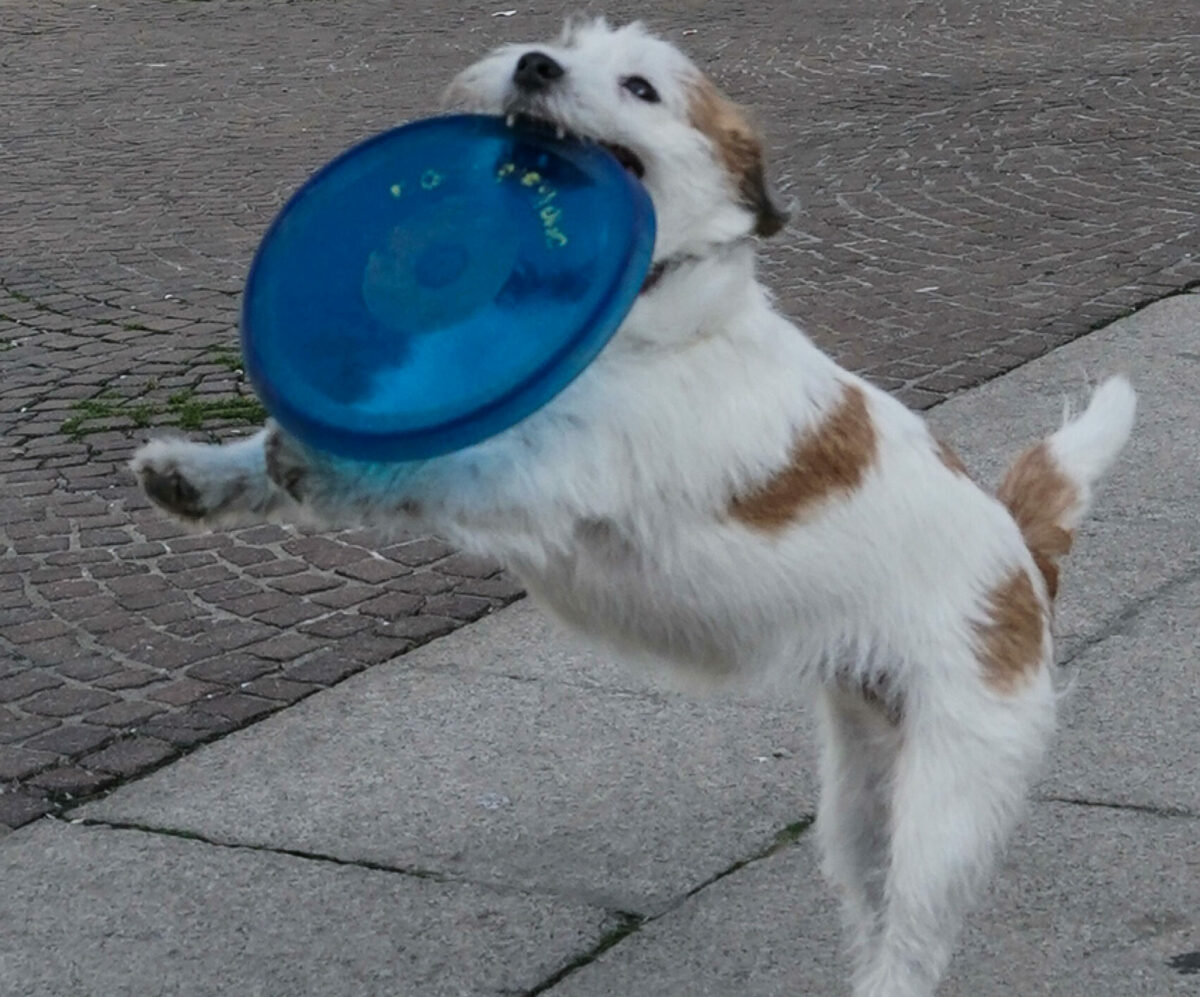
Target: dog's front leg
[(337, 492), (213, 485), (267, 477), (273, 477)]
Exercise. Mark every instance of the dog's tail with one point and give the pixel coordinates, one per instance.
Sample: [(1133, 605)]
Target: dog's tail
[(1049, 487)]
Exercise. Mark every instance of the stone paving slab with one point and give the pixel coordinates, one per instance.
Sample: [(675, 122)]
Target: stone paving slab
[(94, 912), (1089, 901), (1130, 722), (621, 799), (976, 184)]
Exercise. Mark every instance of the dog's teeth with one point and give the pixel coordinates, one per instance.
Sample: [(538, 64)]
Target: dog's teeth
[(510, 120)]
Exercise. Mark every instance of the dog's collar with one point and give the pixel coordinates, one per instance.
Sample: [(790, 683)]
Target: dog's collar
[(672, 263)]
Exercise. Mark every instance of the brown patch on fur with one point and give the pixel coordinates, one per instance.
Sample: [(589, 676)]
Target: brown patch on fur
[(951, 459), (1039, 496), (741, 152), (829, 460), (1010, 642)]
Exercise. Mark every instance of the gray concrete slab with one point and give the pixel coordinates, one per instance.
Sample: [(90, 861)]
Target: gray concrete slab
[(623, 799), (92, 912), (526, 642), (1121, 561), (1130, 722), (1089, 902)]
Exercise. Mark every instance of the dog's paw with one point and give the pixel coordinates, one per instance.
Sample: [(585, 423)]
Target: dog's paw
[(161, 468), (206, 483)]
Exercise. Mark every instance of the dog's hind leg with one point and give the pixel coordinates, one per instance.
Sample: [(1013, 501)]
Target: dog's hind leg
[(860, 742), (966, 755)]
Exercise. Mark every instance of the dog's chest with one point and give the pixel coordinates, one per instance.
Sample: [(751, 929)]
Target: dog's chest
[(652, 596)]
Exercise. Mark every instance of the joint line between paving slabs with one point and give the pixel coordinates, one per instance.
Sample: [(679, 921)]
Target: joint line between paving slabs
[(631, 924), (1119, 623), (627, 924), (171, 832), (784, 838), (1140, 808)]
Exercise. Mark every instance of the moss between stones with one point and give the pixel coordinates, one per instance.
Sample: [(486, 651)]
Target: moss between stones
[(182, 409)]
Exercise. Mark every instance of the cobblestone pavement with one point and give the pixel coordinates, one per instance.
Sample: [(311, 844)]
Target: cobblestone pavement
[(978, 183)]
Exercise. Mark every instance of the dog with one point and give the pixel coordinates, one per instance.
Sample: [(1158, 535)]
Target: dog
[(716, 494)]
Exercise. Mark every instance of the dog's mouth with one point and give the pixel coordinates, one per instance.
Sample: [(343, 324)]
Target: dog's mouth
[(623, 154)]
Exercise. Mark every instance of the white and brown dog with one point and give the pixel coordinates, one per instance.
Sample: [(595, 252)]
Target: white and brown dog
[(715, 493)]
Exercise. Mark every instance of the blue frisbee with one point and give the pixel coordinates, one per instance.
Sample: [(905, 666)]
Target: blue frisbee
[(440, 282)]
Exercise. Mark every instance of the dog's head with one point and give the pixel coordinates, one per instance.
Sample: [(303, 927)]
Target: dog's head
[(691, 147)]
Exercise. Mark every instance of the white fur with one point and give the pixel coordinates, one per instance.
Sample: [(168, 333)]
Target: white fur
[(1085, 447), (612, 504)]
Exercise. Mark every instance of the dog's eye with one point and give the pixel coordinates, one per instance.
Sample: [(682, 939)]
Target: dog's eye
[(640, 87)]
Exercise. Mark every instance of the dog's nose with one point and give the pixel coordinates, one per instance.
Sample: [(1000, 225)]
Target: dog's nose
[(536, 71)]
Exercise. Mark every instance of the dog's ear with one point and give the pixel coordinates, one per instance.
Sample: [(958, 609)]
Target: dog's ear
[(741, 152), (770, 218)]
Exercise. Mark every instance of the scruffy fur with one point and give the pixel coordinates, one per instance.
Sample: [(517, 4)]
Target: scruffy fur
[(716, 494)]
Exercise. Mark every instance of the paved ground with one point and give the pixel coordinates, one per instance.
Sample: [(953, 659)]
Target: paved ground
[(978, 183), (502, 812)]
